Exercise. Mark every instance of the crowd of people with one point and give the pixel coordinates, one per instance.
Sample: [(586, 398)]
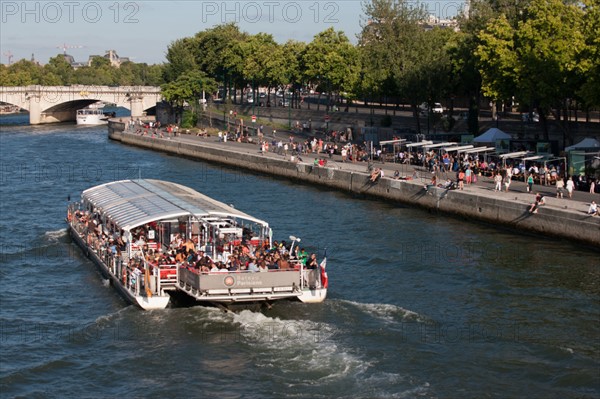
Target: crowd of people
[(240, 256)]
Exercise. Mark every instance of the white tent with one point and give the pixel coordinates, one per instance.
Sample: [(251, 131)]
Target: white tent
[(586, 144), (491, 135)]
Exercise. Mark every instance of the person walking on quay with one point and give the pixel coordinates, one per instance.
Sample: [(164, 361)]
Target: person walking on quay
[(507, 179), (468, 175), (461, 179), (498, 181), (570, 187), (560, 185), (530, 183), (592, 187)]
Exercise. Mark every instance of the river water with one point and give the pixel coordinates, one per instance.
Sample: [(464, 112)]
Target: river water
[(419, 305)]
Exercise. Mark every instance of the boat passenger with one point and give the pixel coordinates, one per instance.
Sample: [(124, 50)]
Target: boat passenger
[(263, 266), (284, 262), (312, 262), (302, 256), (252, 267)]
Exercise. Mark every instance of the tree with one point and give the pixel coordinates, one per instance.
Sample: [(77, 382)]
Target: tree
[(405, 56), (466, 78), (498, 59), (537, 60), (24, 73), (589, 58), (188, 89), (61, 68), (181, 58), (292, 52), (332, 62)]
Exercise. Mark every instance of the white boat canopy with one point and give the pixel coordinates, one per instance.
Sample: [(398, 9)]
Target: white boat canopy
[(459, 148), (533, 158), (428, 146), (517, 154), (397, 141), (480, 149), (133, 203), (419, 144)]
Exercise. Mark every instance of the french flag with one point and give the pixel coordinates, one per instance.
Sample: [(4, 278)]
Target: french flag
[(324, 278)]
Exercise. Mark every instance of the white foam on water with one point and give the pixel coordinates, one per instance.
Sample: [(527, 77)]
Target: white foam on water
[(54, 236), (387, 312), (568, 350), (386, 380), (294, 345)]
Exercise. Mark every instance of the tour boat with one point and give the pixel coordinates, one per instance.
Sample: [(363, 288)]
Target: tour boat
[(92, 115), (155, 239)]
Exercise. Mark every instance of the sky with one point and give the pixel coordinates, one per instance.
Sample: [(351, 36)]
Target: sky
[(143, 30)]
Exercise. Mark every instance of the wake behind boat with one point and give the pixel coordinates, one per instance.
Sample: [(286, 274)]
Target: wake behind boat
[(154, 239)]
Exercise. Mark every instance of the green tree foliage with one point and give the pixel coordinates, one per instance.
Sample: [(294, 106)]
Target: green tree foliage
[(214, 46), (332, 62), (497, 59), (181, 58), (589, 58), (61, 68), (188, 89), (58, 72), (540, 60), (399, 53)]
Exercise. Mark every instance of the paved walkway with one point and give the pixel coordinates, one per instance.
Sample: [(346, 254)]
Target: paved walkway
[(484, 186)]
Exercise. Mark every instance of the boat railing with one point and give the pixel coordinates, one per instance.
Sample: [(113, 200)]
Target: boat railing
[(133, 279)]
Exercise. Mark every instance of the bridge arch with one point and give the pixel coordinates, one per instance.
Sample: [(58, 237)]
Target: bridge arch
[(47, 104)]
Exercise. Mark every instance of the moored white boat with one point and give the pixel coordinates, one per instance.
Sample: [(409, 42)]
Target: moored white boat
[(92, 115), (154, 239)]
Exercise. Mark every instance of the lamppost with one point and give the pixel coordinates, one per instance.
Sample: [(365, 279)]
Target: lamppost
[(289, 112), (252, 88)]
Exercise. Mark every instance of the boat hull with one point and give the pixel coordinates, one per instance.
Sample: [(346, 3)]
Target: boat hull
[(317, 295)]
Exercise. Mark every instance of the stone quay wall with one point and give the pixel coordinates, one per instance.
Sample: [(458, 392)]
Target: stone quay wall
[(566, 223)]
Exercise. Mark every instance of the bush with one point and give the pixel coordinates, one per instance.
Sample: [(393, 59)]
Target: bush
[(448, 123), (189, 119)]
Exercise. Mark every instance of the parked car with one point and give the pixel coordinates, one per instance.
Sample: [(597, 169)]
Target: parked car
[(534, 117), (436, 108)]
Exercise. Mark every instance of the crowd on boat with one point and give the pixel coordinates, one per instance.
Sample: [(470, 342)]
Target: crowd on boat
[(231, 256)]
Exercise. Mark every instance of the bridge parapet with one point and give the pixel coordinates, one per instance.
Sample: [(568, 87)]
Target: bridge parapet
[(48, 104)]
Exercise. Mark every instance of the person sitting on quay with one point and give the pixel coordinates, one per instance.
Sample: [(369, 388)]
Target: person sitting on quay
[(539, 201), (376, 174), (593, 210), (448, 185), (432, 183)]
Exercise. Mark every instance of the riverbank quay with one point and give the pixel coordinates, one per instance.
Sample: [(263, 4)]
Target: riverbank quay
[(561, 218)]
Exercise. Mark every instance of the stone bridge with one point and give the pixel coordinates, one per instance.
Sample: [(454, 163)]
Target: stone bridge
[(47, 104)]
